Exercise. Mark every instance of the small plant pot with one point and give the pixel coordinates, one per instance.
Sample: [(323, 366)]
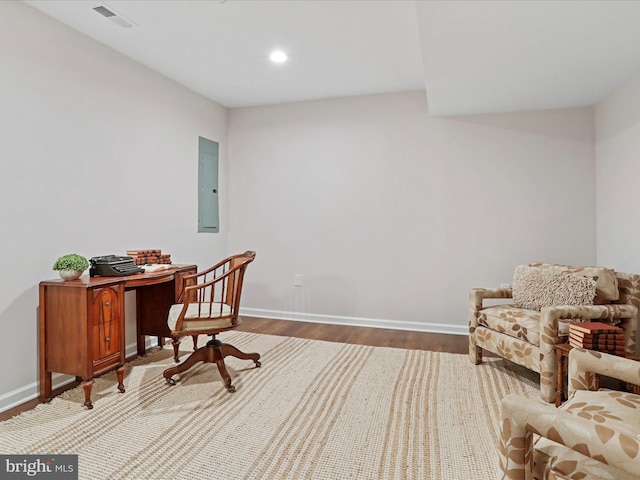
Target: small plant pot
[(69, 274)]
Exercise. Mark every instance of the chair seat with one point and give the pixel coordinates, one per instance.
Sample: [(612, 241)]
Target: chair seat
[(612, 411), (200, 316), (516, 322), (513, 321)]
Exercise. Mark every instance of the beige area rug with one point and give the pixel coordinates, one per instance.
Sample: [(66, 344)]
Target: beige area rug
[(315, 410)]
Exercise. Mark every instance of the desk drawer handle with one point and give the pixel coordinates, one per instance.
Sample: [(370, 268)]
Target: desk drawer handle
[(107, 303), (108, 339)]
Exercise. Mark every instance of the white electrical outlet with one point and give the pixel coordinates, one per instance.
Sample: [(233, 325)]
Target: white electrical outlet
[(297, 280)]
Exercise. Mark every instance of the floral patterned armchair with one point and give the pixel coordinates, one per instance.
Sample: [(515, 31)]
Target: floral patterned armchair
[(527, 336), (595, 434)]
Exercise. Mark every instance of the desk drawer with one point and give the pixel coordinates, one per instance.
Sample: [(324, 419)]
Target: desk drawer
[(106, 363), (106, 323)]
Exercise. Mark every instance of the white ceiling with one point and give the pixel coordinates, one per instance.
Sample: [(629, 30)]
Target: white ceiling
[(496, 56), (471, 56)]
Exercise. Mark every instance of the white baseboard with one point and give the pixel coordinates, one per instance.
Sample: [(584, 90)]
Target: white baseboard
[(21, 395), (18, 396), (356, 321)]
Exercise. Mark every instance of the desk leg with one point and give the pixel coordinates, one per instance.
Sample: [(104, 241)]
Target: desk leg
[(120, 374), (45, 387), (142, 351), (560, 383), (87, 386), (44, 376), (140, 338)]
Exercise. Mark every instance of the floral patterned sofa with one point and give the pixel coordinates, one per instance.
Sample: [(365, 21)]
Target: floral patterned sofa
[(595, 434), (527, 330)]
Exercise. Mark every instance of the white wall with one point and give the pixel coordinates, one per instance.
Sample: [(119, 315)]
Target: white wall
[(98, 155), (617, 120), (391, 215)]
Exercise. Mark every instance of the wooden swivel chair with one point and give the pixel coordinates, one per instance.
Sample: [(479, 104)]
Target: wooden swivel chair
[(210, 305)]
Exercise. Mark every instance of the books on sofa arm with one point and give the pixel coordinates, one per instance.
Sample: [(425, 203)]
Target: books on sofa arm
[(596, 345), (602, 342), (598, 337), (608, 348), (619, 353), (594, 327)]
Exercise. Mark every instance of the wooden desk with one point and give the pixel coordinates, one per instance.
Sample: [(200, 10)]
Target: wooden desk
[(81, 327)]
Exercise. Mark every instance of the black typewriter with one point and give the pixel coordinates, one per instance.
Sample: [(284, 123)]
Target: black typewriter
[(113, 266)]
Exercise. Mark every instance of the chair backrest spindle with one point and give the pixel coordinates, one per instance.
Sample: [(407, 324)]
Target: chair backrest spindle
[(217, 292)]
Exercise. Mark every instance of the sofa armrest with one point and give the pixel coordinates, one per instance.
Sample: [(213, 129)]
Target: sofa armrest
[(584, 363), (522, 417)]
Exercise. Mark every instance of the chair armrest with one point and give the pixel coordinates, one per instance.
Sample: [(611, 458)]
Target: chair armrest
[(204, 273), (482, 293), (584, 363), (590, 312), (477, 295), (551, 315), (522, 417)]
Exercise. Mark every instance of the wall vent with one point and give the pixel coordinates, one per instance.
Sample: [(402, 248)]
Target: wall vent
[(115, 17)]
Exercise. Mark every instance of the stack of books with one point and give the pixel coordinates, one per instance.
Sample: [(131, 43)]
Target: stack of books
[(149, 256), (597, 336)]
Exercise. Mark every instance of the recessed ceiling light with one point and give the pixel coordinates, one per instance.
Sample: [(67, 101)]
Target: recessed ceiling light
[(278, 56)]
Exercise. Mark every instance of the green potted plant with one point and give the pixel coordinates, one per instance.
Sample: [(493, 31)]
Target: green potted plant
[(71, 266)]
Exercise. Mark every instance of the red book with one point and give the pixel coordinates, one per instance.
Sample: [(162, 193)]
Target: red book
[(597, 344), (597, 336), (617, 349), (601, 348), (594, 327), (611, 340), (145, 251), (619, 353)]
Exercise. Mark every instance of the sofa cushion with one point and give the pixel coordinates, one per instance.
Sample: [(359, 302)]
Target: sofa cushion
[(513, 321), (612, 411), (605, 278), (534, 288)]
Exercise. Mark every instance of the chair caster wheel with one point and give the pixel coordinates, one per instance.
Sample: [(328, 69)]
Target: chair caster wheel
[(258, 364), (171, 381), (231, 388)]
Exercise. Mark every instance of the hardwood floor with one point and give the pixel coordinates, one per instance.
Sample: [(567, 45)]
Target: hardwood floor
[(380, 337)]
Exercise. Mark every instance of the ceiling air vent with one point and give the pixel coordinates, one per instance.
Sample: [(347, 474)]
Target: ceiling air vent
[(113, 16)]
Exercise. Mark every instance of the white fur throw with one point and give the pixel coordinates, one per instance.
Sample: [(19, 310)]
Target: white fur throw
[(534, 288)]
